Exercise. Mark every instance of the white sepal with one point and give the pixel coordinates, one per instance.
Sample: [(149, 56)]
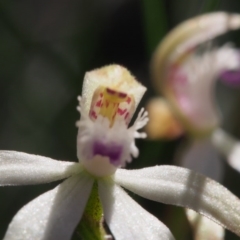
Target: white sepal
[(54, 214), (17, 168), (127, 219), (183, 187)]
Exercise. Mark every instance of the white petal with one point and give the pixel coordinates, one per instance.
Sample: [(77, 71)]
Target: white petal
[(53, 215), (127, 219), (204, 228), (17, 168), (183, 187), (202, 157)]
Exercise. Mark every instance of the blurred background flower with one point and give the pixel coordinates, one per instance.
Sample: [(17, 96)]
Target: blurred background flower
[(46, 47)]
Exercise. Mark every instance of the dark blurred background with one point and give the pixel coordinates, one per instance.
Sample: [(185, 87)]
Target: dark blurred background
[(45, 49)]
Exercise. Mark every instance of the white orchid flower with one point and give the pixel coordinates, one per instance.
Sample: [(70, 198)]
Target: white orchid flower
[(186, 74), (104, 144)]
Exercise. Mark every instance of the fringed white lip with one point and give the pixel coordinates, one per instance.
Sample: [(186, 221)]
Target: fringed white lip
[(109, 147)]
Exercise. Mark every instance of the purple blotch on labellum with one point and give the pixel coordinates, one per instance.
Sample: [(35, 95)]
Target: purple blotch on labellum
[(112, 151)]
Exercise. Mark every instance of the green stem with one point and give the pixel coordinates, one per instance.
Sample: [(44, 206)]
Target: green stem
[(155, 22), (91, 224), (211, 5)]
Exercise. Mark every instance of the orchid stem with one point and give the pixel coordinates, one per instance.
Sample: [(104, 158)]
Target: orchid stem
[(91, 224), (155, 22), (211, 5)]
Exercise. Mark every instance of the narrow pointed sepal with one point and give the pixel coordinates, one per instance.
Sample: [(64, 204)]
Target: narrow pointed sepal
[(54, 214), (186, 188), (17, 168), (127, 219)]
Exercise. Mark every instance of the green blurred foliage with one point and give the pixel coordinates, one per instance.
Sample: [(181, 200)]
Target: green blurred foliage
[(45, 49)]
